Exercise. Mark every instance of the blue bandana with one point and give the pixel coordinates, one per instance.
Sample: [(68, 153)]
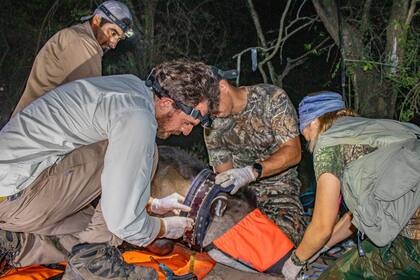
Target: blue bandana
[(314, 106)]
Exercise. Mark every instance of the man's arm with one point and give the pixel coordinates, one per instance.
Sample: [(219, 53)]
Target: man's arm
[(126, 177), (288, 155), (223, 167)]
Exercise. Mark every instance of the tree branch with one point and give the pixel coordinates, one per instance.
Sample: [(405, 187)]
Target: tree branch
[(327, 11), (395, 33), (294, 62), (365, 15), (49, 14), (280, 34), (5, 50), (261, 37), (411, 11), (257, 24)]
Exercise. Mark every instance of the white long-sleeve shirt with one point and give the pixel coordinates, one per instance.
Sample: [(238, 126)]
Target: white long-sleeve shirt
[(118, 108)]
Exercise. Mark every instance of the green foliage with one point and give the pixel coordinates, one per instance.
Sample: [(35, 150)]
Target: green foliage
[(367, 66), (406, 115), (407, 78)]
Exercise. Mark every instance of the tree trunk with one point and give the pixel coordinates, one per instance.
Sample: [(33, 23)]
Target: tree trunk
[(144, 53), (374, 96)]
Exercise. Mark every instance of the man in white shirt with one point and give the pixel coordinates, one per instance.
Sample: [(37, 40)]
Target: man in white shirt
[(54, 162)]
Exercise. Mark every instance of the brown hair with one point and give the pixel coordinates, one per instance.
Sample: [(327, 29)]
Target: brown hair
[(189, 82), (326, 121)]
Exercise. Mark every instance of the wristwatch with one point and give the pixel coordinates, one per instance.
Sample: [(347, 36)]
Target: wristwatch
[(296, 261), (259, 168)]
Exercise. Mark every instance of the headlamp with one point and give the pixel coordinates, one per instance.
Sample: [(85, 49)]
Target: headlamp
[(153, 83), (128, 31)]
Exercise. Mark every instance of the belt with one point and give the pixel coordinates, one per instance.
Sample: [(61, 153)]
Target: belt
[(11, 197)]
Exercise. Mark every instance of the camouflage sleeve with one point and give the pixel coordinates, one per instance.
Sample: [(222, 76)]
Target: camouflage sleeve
[(217, 151), (284, 119), (329, 160)]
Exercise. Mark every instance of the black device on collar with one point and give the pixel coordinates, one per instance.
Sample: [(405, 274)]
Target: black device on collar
[(153, 83), (114, 19)]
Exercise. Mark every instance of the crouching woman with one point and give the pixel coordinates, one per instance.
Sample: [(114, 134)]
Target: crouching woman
[(374, 165)]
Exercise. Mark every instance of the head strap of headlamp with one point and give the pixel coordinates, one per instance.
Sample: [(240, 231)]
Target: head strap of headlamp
[(114, 19), (153, 83)]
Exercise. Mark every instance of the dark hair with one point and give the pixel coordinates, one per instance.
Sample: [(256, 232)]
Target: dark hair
[(189, 82)]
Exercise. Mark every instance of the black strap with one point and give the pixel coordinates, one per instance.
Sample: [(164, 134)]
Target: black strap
[(118, 22)]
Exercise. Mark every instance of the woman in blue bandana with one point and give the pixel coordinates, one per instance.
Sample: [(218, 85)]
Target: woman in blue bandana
[(375, 166)]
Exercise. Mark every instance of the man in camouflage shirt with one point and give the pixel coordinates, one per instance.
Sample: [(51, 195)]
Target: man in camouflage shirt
[(258, 124)]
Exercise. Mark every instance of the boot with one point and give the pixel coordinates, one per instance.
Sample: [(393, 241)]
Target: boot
[(9, 248), (95, 261)]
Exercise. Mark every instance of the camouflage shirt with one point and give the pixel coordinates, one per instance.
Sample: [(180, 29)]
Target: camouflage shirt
[(268, 120), (334, 159)]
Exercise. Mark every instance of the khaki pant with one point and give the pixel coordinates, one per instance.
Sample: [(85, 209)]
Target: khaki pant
[(54, 213)]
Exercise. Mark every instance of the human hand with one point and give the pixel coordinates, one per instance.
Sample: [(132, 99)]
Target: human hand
[(290, 271), (172, 202), (176, 226), (238, 177)]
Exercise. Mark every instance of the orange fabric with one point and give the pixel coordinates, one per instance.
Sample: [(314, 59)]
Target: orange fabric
[(178, 261), (256, 241), (33, 272)]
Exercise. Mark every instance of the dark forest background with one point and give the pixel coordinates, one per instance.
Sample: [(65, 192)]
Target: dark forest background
[(366, 49)]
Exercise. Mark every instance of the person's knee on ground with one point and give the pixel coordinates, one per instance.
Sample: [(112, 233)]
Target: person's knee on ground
[(103, 261), (10, 245)]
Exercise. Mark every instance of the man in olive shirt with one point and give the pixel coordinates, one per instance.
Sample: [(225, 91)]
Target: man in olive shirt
[(76, 52)]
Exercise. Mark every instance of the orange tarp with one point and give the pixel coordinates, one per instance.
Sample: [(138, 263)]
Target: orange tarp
[(181, 261), (255, 241)]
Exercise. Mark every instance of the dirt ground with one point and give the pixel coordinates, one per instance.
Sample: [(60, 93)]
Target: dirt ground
[(222, 272)]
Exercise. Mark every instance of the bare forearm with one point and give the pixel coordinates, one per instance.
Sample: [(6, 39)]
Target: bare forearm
[(313, 240), (280, 162), (288, 155), (342, 230)]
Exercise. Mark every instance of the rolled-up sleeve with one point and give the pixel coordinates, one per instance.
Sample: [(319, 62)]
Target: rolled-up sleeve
[(126, 177)]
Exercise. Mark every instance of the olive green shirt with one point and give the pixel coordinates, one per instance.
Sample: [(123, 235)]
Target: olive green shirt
[(334, 159)]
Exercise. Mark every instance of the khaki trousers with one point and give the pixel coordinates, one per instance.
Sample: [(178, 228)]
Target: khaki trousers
[(54, 213)]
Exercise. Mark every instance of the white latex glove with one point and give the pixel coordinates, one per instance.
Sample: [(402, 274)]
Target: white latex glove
[(176, 226), (238, 177), (316, 256), (290, 271), (172, 202)]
